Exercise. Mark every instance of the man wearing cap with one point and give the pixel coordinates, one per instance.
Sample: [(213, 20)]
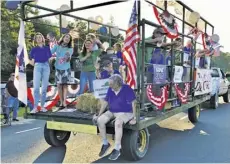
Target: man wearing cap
[(11, 94), (214, 48), (157, 56), (108, 70)]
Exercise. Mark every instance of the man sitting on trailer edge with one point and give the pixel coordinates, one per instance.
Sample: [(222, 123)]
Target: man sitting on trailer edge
[(120, 99)]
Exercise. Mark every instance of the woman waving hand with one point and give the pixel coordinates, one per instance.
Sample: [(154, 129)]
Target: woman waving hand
[(64, 51)]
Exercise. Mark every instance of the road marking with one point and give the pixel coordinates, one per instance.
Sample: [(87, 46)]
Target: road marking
[(27, 130)]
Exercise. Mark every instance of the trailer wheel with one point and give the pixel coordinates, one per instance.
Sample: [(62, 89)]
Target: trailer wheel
[(194, 114), (226, 96), (214, 101), (56, 137), (135, 144)]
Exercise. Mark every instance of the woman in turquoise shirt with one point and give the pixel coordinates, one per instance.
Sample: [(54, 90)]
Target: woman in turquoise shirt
[(64, 51)]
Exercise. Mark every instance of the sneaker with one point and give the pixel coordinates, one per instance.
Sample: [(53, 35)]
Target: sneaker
[(5, 121), (114, 155), (104, 149), (34, 111), (15, 119), (43, 109)]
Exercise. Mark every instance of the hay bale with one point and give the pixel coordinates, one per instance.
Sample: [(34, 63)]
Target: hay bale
[(88, 103)]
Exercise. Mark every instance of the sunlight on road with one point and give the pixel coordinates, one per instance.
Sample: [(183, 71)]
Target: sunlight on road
[(85, 150), (178, 122)]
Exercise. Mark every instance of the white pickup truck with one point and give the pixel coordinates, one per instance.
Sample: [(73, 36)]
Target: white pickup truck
[(222, 85)]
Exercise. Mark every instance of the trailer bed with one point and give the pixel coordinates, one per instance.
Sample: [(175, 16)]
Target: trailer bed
[(146, 118)]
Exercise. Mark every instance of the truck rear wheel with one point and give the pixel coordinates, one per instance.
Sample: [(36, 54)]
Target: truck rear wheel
[(194, 114), (214, 101), (56, 137), (135, 144), (226, 96)]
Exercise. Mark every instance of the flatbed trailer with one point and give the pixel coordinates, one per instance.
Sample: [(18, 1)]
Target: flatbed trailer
[(84, 118), (135, 139)]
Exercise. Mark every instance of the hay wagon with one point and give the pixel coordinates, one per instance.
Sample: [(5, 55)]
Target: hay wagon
[(175, 97)]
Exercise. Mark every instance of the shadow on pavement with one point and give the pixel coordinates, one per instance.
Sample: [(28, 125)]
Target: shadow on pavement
[(52, 155)]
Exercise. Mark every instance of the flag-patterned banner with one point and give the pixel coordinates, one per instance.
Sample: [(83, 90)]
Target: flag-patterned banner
[(20, 69), (129, 50)]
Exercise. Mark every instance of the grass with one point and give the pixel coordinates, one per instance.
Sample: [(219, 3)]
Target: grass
[(21, 112)]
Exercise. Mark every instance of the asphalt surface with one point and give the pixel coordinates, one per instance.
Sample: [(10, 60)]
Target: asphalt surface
[(174, 140)]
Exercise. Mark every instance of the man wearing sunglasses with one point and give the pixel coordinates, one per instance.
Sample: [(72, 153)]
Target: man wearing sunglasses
[(12, 98)]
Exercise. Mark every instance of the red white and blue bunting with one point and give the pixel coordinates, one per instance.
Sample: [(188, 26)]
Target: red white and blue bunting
[(182, 95), (158, 101), (167, 22), (53, 97)]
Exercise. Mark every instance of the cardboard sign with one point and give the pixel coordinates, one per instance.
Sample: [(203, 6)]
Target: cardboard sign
[(100, 88), (178, 73), (203, 82)]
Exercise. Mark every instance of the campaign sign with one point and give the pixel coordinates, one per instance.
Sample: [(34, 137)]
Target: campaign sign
[(203, 82), (178, 73), (159, 74), (100, 88)]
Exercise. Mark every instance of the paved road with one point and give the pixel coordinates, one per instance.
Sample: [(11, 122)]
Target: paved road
[(173, 140)]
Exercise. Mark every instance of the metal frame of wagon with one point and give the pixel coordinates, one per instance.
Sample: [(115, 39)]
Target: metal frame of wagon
[(140, 62)]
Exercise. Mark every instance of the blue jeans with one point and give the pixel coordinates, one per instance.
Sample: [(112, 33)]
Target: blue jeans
[(30, 105), (12, 102), (90, 76), (41, 75)]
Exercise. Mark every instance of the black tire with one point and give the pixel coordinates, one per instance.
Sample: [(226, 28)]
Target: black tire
[(135, 144), (56, 138), (194, 114), (214, 101), (226, 96)]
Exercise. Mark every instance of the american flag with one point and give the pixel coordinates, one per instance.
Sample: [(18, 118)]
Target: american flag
[(129, 50), (20, 69)]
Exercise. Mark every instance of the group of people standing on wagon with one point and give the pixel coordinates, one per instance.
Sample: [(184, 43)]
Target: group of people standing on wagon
[(185, 56), (95, 65)]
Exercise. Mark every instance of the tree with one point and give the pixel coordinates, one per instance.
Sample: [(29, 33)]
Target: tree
[(82, 29), (45, 26), (10, 22), (222, 61)]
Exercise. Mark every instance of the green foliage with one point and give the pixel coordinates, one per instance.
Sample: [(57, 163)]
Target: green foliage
[(10, 23), (45, 26), (223, 61), (82, 28)]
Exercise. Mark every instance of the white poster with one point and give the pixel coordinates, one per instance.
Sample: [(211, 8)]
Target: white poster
[(186, 60), (178, 74), (100, 88), (203, 82)]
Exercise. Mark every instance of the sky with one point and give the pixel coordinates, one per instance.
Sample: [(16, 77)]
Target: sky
[(214, 11)]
